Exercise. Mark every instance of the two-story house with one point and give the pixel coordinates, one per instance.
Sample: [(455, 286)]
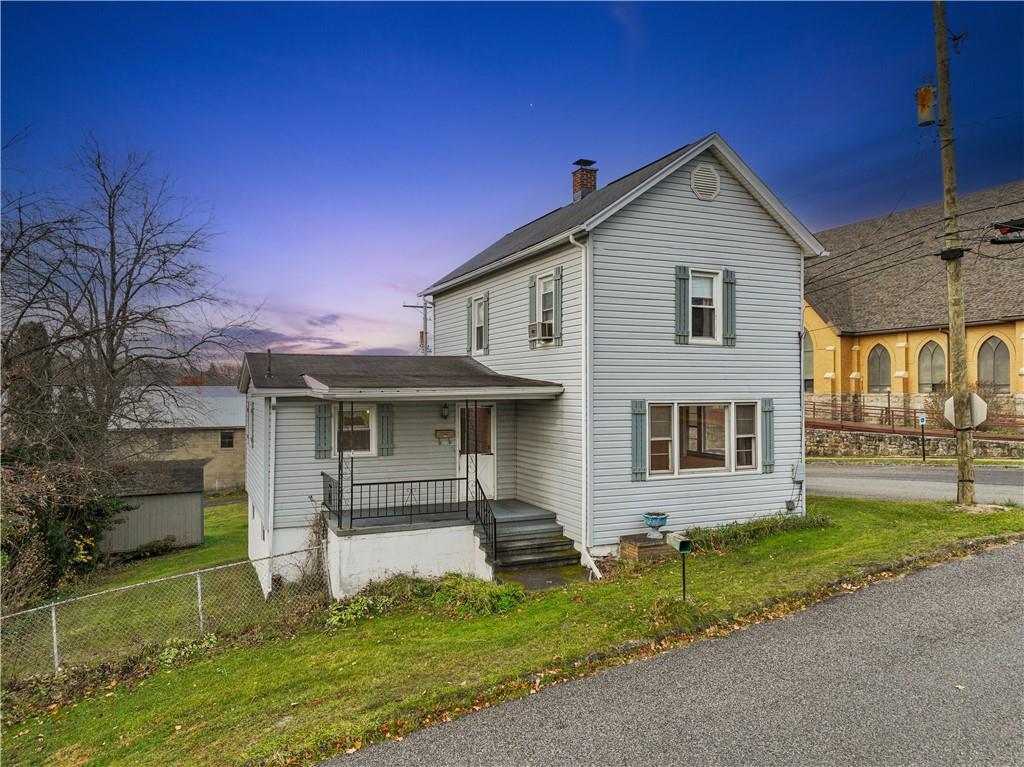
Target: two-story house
[(636, 350)]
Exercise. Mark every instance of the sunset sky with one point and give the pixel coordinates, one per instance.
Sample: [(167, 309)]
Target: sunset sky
[(352, 154)]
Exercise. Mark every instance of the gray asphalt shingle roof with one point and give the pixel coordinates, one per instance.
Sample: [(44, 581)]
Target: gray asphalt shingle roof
[(886, 274), (561, 219), (345, 371)]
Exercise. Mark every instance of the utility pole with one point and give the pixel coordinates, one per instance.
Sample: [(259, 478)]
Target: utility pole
[(952, 254), (425, 307)]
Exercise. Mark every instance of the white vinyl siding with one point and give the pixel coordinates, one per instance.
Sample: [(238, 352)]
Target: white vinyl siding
[(547, 453), (255, 457), (418, 455), (635, 253)]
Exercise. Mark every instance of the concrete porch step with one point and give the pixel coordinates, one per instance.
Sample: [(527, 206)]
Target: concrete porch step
[(532, 543), (549, 558), (509, 530)]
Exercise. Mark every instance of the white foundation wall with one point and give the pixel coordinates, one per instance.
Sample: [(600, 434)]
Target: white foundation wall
[(355, 560)]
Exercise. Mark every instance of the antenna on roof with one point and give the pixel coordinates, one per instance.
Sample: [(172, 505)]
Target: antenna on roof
[(270, 372), (583, 163)]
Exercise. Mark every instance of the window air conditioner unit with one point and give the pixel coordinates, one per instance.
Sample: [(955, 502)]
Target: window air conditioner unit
[(541, 331)]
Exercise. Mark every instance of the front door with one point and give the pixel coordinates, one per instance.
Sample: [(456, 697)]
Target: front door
[(482, 417)]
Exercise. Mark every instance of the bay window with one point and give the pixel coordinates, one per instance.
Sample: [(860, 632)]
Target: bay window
[(687, 437)]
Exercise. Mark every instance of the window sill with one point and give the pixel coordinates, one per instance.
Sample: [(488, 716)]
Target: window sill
[(357, 454), (697, 474), (705, 341)]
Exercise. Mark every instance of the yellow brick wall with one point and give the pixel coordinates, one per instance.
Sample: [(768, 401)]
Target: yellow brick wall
[(224, 469), (844, 355)]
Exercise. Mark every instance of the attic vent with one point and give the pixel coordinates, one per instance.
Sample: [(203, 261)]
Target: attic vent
[(705, 182)]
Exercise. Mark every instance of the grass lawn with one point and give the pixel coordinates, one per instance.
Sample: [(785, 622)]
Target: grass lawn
[(105, 627), (298, 696), (224, 534)]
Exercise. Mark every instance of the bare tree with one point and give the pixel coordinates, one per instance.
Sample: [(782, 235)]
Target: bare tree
[(113, 273)]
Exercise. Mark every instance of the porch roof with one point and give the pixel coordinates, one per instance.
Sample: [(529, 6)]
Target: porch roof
[(343, 376)]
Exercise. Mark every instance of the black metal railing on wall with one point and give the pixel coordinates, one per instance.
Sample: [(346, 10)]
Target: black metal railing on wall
[(364, 501), (484, 517)]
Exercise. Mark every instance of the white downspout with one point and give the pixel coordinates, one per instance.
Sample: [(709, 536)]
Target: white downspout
[(585, 558)]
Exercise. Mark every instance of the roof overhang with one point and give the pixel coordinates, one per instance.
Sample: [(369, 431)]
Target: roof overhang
[(447, 394), (714, 142)]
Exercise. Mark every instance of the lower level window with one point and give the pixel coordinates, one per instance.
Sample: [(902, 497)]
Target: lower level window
[(227, 439), (355, 430), (700, 437)]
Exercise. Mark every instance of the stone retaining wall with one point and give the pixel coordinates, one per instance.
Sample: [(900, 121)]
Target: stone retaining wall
[(835, 443)]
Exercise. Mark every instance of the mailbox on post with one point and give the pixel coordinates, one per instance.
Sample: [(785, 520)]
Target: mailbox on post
[(684, 546)]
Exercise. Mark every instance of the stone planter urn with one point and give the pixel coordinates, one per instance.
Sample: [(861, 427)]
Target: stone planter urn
[(655, 520)]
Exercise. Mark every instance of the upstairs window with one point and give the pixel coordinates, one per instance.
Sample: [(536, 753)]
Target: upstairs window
[(703, 306), (879, 369), (546, 304), (931, 368), (994, 365), (479, 325)]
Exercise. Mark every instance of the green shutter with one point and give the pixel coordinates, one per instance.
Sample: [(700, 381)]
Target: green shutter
[(639, 411), (557, 330), (729, 308), (767, 436), (385, 429), (682, 304), (487, 322), (469, 326), (532, 296), (322, 430)]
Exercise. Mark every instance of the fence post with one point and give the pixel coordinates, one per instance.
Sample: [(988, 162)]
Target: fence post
[(53, 633), (199, 601)]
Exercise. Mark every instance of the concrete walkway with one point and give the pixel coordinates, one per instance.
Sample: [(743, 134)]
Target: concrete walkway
[(922, 482), (925, 670)]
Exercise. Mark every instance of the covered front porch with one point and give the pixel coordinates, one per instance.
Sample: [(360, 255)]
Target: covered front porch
[(466, 495), (409, 445)]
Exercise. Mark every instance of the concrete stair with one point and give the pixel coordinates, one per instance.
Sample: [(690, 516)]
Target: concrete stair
[(529, 537)]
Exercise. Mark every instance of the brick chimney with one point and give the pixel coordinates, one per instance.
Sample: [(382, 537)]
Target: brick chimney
[(584, 179)]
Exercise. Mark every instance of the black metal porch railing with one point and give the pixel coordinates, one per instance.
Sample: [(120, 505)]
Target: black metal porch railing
[(369, 501), (484, 517), (363, 501)]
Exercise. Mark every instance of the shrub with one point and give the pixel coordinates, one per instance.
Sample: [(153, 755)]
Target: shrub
[(742, 534), (457, 595), (453, 595), (177, 652), (356, 608)]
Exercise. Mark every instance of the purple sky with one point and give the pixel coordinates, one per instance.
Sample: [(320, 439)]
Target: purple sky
[(351, 154)]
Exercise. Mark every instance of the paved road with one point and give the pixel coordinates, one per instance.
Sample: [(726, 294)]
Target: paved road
[(912, 483), (925, 670)]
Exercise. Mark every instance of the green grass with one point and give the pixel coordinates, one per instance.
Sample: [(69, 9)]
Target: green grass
[(301, 694), (224, 540), (120, 624)]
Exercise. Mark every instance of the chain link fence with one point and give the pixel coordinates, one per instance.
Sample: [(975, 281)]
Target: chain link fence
[(132, 620)]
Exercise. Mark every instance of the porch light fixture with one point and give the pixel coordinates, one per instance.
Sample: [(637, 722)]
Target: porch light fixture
[(444, 411)]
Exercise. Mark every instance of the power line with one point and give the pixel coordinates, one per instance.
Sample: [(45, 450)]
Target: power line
[(832, 256)]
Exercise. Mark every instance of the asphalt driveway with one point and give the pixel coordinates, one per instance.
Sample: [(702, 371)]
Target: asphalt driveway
[(924, 670), (993, 484)]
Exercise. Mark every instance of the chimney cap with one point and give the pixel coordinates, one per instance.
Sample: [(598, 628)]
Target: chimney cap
[(584, 163)]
